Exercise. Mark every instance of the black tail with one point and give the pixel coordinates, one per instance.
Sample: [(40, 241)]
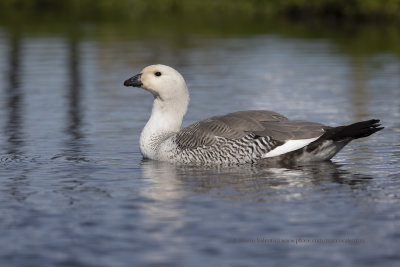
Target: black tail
[(342, 134), (355, 130)]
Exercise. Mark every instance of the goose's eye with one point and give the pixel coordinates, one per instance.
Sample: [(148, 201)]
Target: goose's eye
[(157, 73)]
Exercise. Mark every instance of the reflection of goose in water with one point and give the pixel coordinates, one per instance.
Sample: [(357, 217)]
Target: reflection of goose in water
[(257, 136), (164, 180), (245, 181), (163, 214)]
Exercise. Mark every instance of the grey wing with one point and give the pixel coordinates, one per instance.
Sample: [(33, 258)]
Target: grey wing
[(239, 124), (292, 130)]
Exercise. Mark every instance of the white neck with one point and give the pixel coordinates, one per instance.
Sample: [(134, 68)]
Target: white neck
[(166, 119)]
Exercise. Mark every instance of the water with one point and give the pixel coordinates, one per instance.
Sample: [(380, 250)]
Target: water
[(74, 190)]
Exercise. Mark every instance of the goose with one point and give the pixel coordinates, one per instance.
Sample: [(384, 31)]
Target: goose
[(253, 136)]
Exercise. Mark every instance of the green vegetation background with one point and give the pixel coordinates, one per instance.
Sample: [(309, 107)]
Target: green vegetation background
[(358, 27), (388, 10)]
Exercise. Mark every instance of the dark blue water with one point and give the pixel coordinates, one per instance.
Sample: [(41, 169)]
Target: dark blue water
[(74, 190)]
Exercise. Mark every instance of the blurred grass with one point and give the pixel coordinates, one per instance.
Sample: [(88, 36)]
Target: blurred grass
[(357, 27), (387, 10)]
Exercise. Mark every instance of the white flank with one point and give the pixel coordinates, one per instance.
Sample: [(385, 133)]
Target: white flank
[(289, 146)]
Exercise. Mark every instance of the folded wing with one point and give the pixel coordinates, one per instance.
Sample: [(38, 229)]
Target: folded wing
[(286, 135)]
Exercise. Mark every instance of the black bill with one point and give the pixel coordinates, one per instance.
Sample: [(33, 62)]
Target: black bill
[(134, 81)]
